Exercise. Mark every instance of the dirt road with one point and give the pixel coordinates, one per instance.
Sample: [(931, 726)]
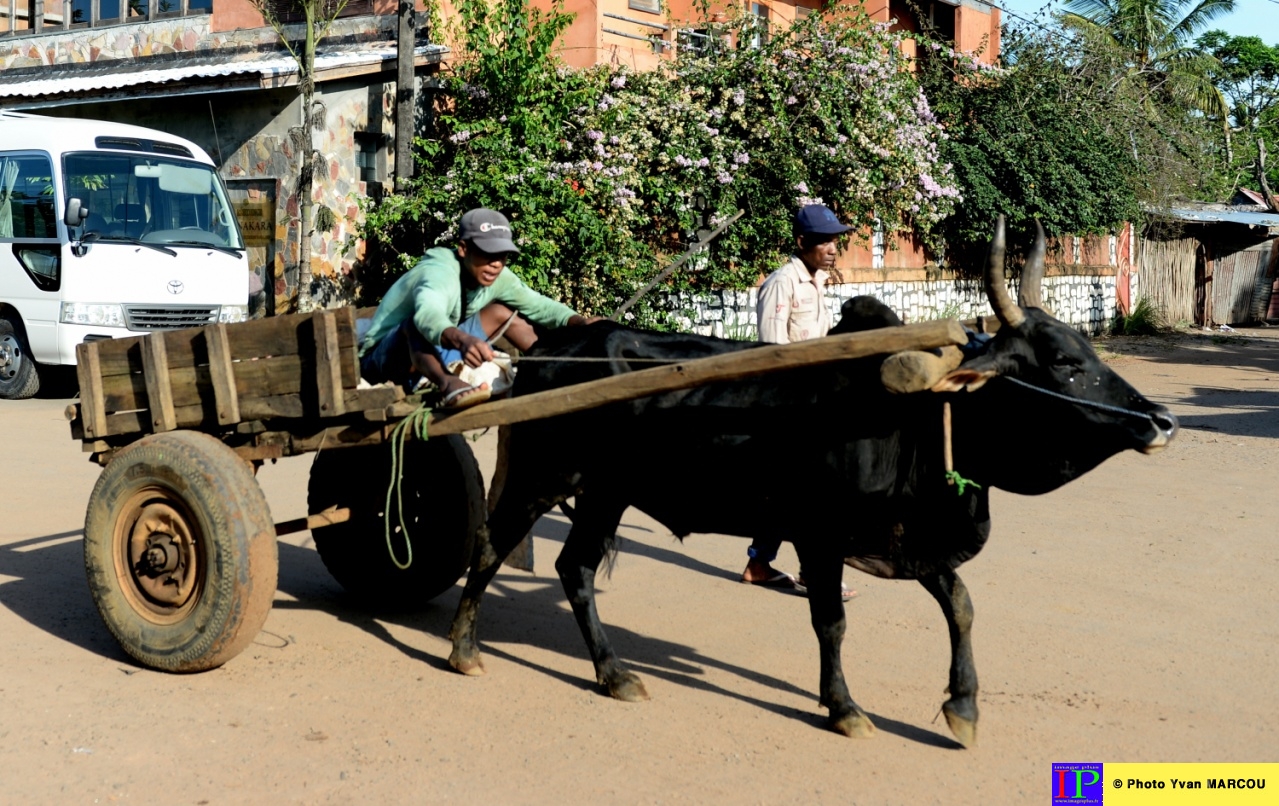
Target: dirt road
[(1130, 616)]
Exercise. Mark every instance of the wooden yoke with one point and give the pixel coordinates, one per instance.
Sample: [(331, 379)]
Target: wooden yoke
[(699, 372), (916, 370)]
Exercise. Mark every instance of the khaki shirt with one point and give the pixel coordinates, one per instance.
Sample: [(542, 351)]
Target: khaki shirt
[(791, 305)]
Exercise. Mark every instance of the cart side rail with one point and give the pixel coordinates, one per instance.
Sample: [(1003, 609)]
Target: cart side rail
[(208, 378)]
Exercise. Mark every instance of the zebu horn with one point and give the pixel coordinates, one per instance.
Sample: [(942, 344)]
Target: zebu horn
[(996, 291), (1032, 276)]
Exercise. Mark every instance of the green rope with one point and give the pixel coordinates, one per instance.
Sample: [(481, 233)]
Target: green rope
[(960, 482), (414, 424)]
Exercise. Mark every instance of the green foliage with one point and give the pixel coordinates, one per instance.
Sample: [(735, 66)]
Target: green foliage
[(1145, 319), (1248, 75), (606, 173), (1154, 40), (1030, 141)]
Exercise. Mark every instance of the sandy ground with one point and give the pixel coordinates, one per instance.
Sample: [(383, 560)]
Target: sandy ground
[(1130, 616)]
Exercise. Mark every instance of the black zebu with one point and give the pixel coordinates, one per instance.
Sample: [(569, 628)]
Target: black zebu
[(862, 477)]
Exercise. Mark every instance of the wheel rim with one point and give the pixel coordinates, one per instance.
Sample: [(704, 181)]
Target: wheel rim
[(10, 357), (159, 555)]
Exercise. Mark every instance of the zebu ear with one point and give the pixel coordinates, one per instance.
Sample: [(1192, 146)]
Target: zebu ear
[(970, 376), (964, 379)]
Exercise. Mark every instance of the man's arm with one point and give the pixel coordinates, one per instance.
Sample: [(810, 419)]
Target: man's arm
[(535, 307), (773, 310), (474, 350)]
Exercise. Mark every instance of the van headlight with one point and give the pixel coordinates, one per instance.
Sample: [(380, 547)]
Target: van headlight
[(92, 313), (231, 314)]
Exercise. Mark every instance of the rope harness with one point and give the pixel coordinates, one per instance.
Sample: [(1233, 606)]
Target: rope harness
[(415, 424), (960, 483), (1088, 404)]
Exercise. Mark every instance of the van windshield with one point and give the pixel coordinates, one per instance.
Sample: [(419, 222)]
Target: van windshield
[(151, 199)]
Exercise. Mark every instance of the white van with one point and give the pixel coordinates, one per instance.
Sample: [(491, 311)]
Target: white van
[(107, 230)]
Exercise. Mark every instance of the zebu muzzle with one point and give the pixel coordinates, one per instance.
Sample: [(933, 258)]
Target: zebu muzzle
[(1166, 427)]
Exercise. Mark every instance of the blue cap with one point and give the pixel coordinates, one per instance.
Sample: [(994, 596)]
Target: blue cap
[(817, 219)]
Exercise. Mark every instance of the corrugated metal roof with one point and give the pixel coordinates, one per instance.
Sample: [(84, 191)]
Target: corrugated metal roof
[(1195, 215), (266, 66)]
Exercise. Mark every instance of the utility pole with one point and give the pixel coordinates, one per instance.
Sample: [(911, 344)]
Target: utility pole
[(404, 105)]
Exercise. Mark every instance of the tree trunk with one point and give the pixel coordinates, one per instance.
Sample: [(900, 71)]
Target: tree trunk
[(404, 101), (1261, 176), (306, 170)]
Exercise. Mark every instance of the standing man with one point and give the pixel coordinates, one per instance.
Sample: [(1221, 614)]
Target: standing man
[(446, 308), (792, 308)]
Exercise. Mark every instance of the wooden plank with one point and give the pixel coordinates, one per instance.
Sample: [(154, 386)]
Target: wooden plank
[(202, 417), (226, 398), (264, 377), (699, 372), (92, 407), (155, 362), (274, 336), (328, 367)]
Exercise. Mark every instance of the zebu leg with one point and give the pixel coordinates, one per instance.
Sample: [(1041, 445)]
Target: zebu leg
[(506, 527), (593, 535), (823, 575), (961, 709)]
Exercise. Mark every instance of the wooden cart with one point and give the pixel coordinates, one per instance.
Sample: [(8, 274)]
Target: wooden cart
[(179, 541)]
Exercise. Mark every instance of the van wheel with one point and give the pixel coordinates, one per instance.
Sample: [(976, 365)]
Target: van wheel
[(18, 376)]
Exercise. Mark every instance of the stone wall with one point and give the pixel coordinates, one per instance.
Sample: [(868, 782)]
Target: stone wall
[(1084, 301), (159, 38)]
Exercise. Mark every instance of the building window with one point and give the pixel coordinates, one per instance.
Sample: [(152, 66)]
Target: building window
[(760, 12), (651, 6), (370, 156)]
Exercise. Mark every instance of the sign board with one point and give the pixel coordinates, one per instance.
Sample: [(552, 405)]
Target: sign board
[(257, 221)]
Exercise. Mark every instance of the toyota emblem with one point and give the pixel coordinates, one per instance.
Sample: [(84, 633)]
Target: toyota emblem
[(175, 286)]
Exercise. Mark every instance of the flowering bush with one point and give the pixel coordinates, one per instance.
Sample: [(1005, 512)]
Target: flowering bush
[(605, 172)]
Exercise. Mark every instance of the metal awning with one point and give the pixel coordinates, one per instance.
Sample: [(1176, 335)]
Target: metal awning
[(1204, 216), (113, 80)]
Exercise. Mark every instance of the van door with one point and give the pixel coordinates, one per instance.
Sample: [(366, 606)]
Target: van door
[(30, 252)]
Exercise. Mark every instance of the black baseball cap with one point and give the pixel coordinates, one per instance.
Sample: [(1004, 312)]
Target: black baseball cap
[(818, 219), (489, 230)]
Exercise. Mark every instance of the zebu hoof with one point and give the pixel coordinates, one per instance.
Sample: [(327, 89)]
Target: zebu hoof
[(962, 725), (855, 725), (468, 663), (626, 687)]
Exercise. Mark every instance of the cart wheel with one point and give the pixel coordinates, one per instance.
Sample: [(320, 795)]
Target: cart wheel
[(180, 551), (443, 496)]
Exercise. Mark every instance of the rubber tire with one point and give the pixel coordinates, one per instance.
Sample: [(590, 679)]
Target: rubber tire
[(27, 382), (442, 486), (232, 526)]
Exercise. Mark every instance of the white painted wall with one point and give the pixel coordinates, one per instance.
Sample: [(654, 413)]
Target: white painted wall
[(1086, 302)]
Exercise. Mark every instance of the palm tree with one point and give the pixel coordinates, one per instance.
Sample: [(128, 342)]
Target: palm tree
[(1155, 42)]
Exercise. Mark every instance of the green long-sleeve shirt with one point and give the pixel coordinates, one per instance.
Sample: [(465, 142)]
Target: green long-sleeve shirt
[(431, 295)]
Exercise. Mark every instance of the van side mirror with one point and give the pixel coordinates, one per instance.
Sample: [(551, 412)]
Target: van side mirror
[(74, 217), (76, 213)]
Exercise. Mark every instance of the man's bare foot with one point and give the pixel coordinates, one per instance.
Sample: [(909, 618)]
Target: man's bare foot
[(761, 573)]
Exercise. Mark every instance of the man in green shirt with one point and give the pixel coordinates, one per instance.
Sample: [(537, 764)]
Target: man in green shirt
[(447, 307)]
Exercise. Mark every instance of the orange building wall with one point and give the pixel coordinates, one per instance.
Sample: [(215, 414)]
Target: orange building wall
[(231, 15)]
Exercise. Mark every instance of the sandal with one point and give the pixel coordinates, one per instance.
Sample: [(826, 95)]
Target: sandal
[(845, 593), (781, 580), (466, 396)]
